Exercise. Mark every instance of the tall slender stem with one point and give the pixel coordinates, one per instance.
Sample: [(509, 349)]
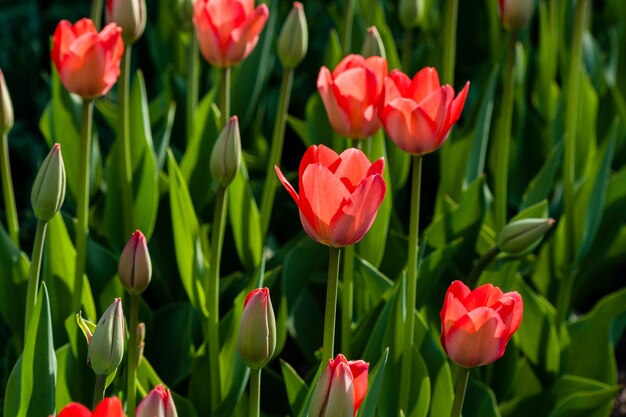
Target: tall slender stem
[(96, 12), (348, 299), (407, 43), (411, 293), (193, 75), (98, 390), (278, 139), (331, 303), (449, 41), (225, 95), (124, 136), (35, 269), (347, 35), (255, 392), (82, 203), (7, 191), (503, 138), (459, 391), (213, 290), (133, 361), (482, 263)]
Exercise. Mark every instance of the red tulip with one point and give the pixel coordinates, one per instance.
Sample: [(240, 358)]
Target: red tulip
[(108, 407), (418, 114), (158, 403), (228, 30), (351, 94), (339, 194), (477, 325), (88, 62), (340, 389)]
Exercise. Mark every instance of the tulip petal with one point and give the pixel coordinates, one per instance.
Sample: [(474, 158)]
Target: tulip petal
[(378, 66), (510, 308), (109, 407), (483, 296), (359, 371), (409, 126), (320, 393), (82, 71), (377, 167), (337, 117), (253, 29), (347, 63), (75, 410), (453, 310), (353, 166), (319, 155), (423, 84), (287, 185), (340, 401)]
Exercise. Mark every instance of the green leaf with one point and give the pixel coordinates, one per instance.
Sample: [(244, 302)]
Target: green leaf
[(480, 401), (295, 386), (581, 397), (541, 184), (13, 281), (147, 377), (375, 380), (301, 129)]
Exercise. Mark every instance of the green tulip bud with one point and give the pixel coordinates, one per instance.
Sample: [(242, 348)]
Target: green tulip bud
[(411, 13), (226, 154), (135, 266), (48, 190), (130, 15), (107, 345), (373, 44), (523, 235), (293, 41), (6, 107), (515, 14), (257, 329)]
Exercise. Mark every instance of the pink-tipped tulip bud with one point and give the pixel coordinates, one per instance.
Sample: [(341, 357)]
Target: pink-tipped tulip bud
[(135, 267), (341, 388), (130, 15), (257, 330), (373, 44), (107, 345), (6, 107), (158, 403), (411, 13), (522, 236), (293, 41), (141, 341), (226, 154), (48, 191), (515, 14)]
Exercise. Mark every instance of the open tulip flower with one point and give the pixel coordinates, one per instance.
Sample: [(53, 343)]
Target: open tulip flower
[(108, 407), (339, 194), (228, 30), (351, 94), (477, 325), (418, 114), (88, 62)]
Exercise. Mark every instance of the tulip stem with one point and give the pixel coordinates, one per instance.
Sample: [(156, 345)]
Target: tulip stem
[(131, 381), (99, 390), (96, 13), (213, 291), (35, 269), (278, 139), (480, 266), (347, 35), (459, 391), (124, 136), (331, 303), (348, 299), (449, 41), (407, 42), (225, 95), (7, 191), (82, 203), (411, 293), (503, 137), (193, 75), (255, 392)]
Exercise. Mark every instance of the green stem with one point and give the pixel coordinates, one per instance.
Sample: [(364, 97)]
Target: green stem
[(449, 41), (98, 390), (269, 187), (225, 95), (124, 135), (348, 299), (35, 269), (347, 35), (482, 263), (459, 391), (193, 77), (407, 43), (503, 137), (96, 12), (82, 203), (7, 191), (133, 361), (411, 293), (255, 392), (213, 291), (331, 304)]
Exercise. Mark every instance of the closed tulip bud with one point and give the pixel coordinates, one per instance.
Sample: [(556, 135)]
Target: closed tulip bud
[(257, 329), (130, 15), (48, 191), (373, 44), (6, 107), (411, 13), (158, 403), (293, 41), (523, 235), (341, 388), (515, 14), (141, 341), (135, 267), (107, 345), (226, 154)]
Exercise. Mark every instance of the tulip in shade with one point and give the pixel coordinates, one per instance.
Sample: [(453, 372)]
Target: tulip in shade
[(351, 94), (108, 407), (135, 266), (418, 114), (340, 389), (88, 62), (158, 403), (339, 194), (477, 325), (228, 30)]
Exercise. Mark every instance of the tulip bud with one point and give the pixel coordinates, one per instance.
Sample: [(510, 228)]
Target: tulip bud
[(158, 403), (515, 14), (107, 345), (257, 329), (141, 341), (411, 13), (135, 267), (523, 235), (130, 15), (373, 44), (6, 107), (48, 190), (226, 154), (293, 41)]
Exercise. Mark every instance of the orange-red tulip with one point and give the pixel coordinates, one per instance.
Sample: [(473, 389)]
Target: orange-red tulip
[(88, 62), (477, 325), (228, 30), (339, 194), (418, 114), (351, 94), (108, 407)]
